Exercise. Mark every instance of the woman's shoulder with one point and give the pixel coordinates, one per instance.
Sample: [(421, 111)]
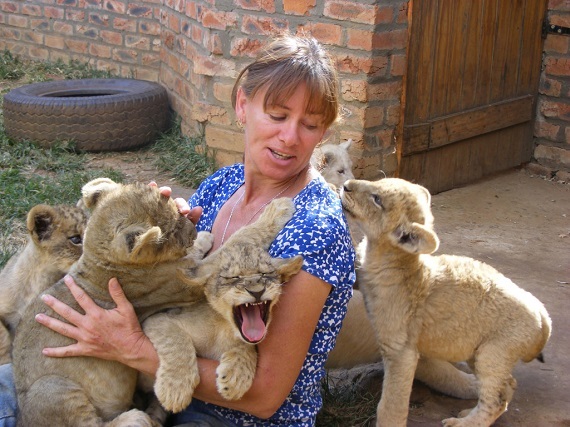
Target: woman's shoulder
[(218, 184)]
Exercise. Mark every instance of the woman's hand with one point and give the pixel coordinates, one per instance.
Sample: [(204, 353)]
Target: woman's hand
[(113, 334), (183, 206)]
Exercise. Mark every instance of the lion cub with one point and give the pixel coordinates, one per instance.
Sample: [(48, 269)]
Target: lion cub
[(242, 283), (441, 308), (334, 162), (55, 241), (137, 235)]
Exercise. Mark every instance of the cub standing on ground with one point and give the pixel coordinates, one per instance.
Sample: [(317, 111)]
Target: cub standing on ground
[(440, 308), (55, 242)]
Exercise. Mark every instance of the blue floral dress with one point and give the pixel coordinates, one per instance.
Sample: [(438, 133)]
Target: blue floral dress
[(318, 231)]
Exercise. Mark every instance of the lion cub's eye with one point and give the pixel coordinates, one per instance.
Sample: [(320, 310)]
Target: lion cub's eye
[(76, 240), (377, 200)]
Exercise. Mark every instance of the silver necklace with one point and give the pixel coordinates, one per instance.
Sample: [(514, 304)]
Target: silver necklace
[(238, 201)]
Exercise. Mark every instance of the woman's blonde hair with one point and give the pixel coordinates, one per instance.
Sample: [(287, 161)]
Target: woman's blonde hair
[(286, 62)]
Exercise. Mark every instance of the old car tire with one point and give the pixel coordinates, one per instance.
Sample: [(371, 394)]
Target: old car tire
[(98, 114)]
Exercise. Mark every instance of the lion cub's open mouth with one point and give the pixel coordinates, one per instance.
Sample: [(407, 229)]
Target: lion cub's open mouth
[(251, 319)]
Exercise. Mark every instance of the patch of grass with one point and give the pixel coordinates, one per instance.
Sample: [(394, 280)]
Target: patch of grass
[(13, 68), (188, 160), (346, 405), (31, 175)]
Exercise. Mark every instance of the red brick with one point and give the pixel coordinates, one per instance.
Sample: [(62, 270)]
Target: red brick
[(299, 7), (544, 129), (359, 39), (350, 11), (218, 20), (128, 56), (374, 116), (330, 34), (398, 65), (9, 7), (354, 90), (33, 10), (385, 91), (245, 47), (260, 5), (63, 28), (555, 110), (389, 40), (56, 42), (263, 25), (550, 87), (112, 37), (18, 21), (100, 51), (557, 66), (137, 42), (224, 139), (76, 45), (54, 12), (556, 44), (33, 37)]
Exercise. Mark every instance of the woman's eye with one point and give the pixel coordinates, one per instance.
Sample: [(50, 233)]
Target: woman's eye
[(277, 118)]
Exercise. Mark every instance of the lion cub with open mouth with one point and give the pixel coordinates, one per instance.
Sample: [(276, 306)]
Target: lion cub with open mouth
[(440, 308), (136, 235)]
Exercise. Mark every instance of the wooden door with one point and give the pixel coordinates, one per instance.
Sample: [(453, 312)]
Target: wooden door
[(470, 88)]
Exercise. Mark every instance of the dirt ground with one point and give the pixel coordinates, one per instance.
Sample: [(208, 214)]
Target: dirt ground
[(518, 223)]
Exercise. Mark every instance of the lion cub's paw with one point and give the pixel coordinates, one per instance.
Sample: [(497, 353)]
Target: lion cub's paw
[(460, 422), (202, 244), (235, 373), (133, 418), (175, 392)]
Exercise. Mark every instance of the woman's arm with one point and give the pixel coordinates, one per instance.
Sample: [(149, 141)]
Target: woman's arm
[(116, 334), (281, 353)]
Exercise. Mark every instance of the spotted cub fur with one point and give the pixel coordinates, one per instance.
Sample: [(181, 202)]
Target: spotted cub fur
[(55, 241)]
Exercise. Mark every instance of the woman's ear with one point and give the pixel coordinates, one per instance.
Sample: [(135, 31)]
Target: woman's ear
[(241, 101)]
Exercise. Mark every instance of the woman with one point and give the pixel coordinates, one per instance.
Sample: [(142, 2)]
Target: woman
[(285, 101)]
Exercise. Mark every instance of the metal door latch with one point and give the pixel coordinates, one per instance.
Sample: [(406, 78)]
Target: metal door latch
[(554, 29)]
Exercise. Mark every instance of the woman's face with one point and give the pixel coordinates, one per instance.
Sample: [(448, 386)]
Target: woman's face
[(279, 140)]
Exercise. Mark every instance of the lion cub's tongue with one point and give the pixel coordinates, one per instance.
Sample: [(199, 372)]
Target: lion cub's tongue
[(252, 327)]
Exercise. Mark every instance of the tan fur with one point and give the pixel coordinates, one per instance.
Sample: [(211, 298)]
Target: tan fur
[(55, 241), (239, 277), (440, 308), (138, 236)]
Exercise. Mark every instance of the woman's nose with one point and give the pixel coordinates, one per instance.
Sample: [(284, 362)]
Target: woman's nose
[(289, 133)]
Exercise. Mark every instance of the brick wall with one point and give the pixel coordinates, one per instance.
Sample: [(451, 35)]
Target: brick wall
[(206, 44), (552, 126), (196, 48)]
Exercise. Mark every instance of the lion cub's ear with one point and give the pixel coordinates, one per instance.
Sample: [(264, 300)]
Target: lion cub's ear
[(40, 222), (137, 243), (287, 267), (93, 190), (415, 239)]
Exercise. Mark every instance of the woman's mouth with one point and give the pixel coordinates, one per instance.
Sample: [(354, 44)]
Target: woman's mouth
[(280, 155)]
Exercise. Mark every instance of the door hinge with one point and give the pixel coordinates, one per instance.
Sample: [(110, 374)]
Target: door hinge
[(548, 28)]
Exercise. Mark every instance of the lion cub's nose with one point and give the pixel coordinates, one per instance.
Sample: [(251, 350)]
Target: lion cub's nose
[(256, 294)]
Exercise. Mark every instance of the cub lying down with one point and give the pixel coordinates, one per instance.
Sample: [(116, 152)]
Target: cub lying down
[(138, 236), (442, 308), (55, 241)]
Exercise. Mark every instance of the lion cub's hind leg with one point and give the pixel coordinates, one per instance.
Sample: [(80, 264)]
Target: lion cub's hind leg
[(497, 387), (444, 377), (68, 405)]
